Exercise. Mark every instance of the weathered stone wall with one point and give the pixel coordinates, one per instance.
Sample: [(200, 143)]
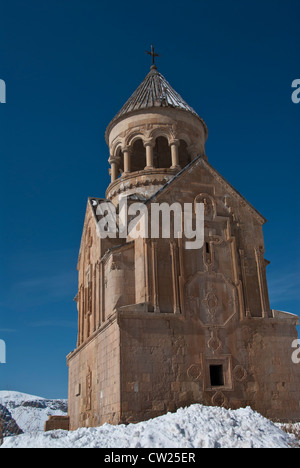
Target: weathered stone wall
[(94, 379), (155, 359), (166, 361), (273, 385)]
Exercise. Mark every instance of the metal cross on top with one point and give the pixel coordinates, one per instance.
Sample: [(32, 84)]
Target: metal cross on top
[(153, 55)]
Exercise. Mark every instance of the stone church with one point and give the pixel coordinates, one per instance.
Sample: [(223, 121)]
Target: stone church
[(161, 326)]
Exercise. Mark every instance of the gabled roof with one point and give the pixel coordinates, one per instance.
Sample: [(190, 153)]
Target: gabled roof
[(154, 91), (203, 161)]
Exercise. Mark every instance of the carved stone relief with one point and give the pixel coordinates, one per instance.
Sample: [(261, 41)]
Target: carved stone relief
[(239, 373), (219, 399), (211, 303), (211, 298), (89, 390), (214, 343), (209, 205), (194, 372)]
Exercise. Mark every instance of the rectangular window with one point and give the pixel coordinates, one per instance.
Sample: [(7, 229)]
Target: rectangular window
[(216, 375)]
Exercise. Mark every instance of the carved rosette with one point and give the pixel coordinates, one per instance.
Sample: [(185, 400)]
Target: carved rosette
[(239, 373), (214, 344), (211, 302), (194, 372), (211, 298), (219, 399)]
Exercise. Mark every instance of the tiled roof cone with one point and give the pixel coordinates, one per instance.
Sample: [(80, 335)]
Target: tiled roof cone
[(154, 91)]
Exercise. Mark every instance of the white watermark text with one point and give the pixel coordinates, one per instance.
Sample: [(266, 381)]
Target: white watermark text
[(2, 92), (296, 93), (2, 352), (296, 353), (159, 220)]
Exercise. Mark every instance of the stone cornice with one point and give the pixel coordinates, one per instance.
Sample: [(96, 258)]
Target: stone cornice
[(135, 179)]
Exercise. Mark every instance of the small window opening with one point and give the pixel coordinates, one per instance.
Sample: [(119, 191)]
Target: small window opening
[(207, 246), (216, 375)]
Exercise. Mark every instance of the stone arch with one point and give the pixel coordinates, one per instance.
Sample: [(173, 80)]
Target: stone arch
[(115, 147), (210, 208), (162, 132), (133, 137)]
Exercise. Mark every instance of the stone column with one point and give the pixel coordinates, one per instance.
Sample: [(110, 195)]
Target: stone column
[(259, 256), (149, 145), (174, 154), (154, 275), (114, 171), (98, 294), (82, 301), (245, 287), (94, 305), (102, 290), (175, 274), (127, 159)]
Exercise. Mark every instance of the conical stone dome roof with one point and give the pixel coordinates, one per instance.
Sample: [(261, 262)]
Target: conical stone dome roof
[(154, 91)]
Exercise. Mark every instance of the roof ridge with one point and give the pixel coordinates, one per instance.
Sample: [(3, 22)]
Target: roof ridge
[(203, 160), (163, 188)]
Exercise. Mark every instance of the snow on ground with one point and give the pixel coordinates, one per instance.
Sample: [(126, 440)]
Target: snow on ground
[(196, 426), (29, 411)]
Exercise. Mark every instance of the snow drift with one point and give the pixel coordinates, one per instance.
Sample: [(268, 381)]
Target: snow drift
[(20, 412), (196, 426)]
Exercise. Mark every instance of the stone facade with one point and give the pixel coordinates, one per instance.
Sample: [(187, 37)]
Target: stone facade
[(161, 326)]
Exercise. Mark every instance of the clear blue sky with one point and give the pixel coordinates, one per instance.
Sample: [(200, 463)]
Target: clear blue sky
[(69, 66)]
